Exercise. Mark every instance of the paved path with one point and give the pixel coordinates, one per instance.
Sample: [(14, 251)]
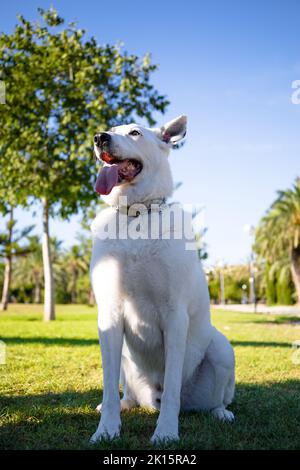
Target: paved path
[(260, 308)]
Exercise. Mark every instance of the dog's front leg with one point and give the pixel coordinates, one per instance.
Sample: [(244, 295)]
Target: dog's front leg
[(110, 324), (175, 336)]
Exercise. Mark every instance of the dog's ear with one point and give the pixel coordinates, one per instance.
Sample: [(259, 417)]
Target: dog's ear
[(174, 130)]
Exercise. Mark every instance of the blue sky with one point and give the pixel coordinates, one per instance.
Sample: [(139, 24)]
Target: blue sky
[(229, 65)]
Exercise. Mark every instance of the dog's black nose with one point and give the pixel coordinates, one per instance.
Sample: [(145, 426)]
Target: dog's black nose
[(102, 138)]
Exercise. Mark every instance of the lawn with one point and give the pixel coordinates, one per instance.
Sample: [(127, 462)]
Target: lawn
[(52, 383)]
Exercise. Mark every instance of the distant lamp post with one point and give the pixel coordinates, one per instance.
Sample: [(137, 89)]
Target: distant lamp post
[(244, 296), (250, 231), (220, 265)]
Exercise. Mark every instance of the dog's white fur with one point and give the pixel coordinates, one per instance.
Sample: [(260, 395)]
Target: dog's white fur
[(154, 311)]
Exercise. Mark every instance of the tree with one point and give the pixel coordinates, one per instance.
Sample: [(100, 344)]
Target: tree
[(201, 246), (61, 88), (31, 266), (10, 249), (28, 280), (85, 244), (10, 198), (278, 235), (75, 264), (270, 281), (235, 276), (277, 282)]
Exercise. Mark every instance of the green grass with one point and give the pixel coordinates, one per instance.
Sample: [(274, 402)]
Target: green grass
[(52, 383)]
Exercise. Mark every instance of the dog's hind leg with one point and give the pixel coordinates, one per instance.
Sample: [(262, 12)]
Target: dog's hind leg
[(127, 401), (211, 387)]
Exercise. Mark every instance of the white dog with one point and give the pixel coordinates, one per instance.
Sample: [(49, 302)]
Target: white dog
[(155, 330)]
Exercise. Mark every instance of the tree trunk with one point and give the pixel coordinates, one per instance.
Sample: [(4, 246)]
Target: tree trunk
[(6, 283), (91, 297), (295, 269), (74, 288), (37, 292), (8, 264), (49, 307)]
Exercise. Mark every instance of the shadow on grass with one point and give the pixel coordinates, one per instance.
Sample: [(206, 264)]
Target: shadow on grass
[(57, 341), (280, 320), (267, 417), (53, 341), (261, 344), (60, 318)]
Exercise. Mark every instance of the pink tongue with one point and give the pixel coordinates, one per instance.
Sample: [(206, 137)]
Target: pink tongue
[(107, 179)]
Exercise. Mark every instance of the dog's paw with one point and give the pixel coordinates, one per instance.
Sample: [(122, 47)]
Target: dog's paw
[(164, 434), (125, 403), (223, 415), (106, 432)]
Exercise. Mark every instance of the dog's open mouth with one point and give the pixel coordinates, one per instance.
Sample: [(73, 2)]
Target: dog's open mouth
[(116, 171)]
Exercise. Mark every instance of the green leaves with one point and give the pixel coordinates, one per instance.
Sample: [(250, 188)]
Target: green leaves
[(279, 229), (10, 239), (51, 17), (278, 236), (61, 89)]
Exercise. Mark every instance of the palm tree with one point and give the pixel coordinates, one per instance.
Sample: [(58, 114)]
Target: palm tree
[(32, 265), (10, 249), (278, 235), (86, 244), (75, 265)]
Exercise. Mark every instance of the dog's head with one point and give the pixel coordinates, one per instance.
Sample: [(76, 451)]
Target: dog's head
[(135, 161)]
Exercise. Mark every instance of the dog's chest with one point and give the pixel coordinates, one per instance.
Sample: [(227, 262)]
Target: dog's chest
[(144, 305), (139, 274), (142, 331)]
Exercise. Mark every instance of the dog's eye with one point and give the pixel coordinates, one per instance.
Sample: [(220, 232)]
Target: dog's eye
[(134, 132)]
